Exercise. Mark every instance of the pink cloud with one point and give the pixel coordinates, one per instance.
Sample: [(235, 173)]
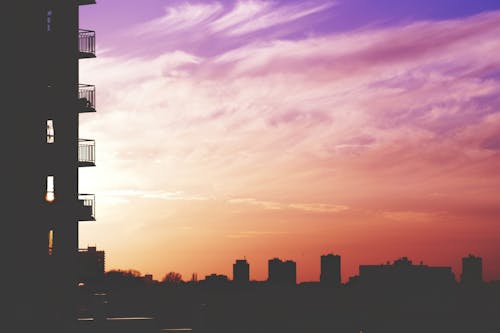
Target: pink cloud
[(304, 118), (180, 18), (242, 12), (263, 15), (416, 99), (377, 121), (210, 27)]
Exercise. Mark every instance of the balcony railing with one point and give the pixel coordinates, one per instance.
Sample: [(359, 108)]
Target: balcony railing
[(86, 152), (86, 207), (86, 2), (86, 43), (86, 97)]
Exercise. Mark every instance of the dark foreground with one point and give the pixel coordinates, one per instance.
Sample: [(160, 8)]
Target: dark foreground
[(381, 326), (292, 309)]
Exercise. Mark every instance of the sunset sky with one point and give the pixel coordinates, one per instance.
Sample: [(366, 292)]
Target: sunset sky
[(291, 129)]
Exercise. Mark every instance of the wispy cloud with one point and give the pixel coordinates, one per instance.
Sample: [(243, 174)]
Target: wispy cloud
[(307, 207), (126, 195), (251, 201), (252, 16), (412, 216), (291, 131), (213, 18), (256, 233), (242, 12), (180, 18), (319, 207), (286, 113)]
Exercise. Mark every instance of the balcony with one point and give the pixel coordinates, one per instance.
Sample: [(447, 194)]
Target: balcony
[(86, 152), (86, 207), (85, 2), (86, 40), (86, 98)]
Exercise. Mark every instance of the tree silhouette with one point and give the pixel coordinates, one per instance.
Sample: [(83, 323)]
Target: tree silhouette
[(132, 273), (122, 278), (172, 278)]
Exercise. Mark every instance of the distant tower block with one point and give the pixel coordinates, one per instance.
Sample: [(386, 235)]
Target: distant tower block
[(282, 272), (241, 271), (472, 270), (330, 270), (90, 265)]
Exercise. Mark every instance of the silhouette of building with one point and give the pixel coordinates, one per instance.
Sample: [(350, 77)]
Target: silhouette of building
[(215, 280), (241, 271), (405, 274), (472, 270), (330, 270), (44, 205), (282, 272), (91, 265), (148, 279)]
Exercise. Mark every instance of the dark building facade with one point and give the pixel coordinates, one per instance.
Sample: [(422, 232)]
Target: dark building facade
[(472, 270), (215, 280), (330, 270), (282, 272), (91, 265), (44, 206), (403, 273), (241, 271)]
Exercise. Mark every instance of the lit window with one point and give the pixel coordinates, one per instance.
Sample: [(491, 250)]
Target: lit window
[(51, 242), (50, 195), (50, 131)]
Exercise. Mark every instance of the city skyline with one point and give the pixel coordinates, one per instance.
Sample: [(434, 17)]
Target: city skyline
[(292, 129), (471, 270)]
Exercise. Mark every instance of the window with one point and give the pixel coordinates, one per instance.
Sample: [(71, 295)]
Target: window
[(51, 242), (50, 195), (50, 131), (49, 20)]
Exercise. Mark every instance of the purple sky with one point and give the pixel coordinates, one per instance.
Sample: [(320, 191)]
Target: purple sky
[(294, 128), (115, 20)]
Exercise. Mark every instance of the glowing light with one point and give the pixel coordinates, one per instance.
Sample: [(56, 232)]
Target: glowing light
[(51, 241), (50, 195)]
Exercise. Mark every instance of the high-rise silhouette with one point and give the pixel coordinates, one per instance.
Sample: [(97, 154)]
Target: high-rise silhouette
[(241, 271), (402, 272), (472, 270), (90, 265), (330, 270), (282, 272), (44, 207)]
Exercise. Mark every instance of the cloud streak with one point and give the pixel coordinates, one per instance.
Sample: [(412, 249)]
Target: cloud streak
[(335, 127), (306, 207), (312, 103), (252, 16), (218, 22), (180, 18)]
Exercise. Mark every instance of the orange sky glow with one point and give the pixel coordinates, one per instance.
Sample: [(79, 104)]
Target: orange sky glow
[(373, 143)]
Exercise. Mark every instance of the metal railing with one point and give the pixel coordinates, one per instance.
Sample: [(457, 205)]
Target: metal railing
[(87, 207), (86, 2), (86, 41), (86, 152), (86, 96)]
